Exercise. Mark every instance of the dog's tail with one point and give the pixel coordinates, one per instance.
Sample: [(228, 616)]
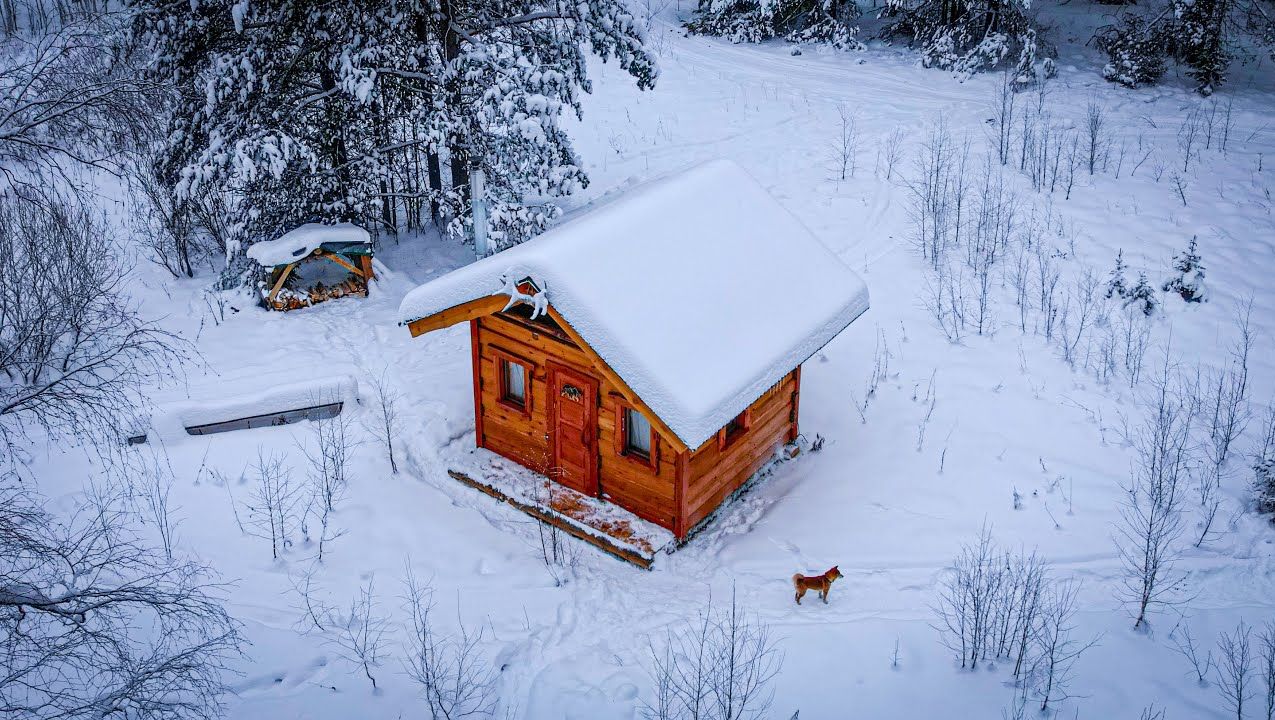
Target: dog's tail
[(796, 580)]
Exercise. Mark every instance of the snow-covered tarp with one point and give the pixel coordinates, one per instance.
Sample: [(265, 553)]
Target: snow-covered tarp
[(296, 244), (699, 289)]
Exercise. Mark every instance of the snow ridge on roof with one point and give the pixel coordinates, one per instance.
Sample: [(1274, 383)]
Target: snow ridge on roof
[(301, 241), (699, 289)]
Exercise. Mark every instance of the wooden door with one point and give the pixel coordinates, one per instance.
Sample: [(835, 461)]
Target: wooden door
[(573, 429)]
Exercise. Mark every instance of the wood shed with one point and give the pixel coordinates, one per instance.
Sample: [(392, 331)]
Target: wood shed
[(648, 351), (313, 263)]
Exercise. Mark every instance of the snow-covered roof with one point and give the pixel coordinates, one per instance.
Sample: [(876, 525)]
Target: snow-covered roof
[(296, 244), (699, 289)]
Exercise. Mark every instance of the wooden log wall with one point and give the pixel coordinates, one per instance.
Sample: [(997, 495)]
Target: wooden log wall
[(646, 491), (713, 472)]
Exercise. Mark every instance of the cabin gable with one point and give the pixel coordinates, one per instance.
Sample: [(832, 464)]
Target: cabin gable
[(526, 435)]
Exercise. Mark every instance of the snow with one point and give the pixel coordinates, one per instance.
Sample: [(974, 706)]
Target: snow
[(889, 498), (698, 289), (300, 242)]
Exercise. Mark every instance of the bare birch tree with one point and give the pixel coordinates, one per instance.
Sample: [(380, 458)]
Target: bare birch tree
[(1235, 679), (456, 680), (1057, 648), (1151, 521), (719, 666), (328, 457), (272, 506), (386, 424), (359, 634)]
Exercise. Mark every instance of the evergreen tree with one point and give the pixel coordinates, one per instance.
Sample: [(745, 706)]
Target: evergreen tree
[(1189, 281), (1202, 35), (330, 110), (1142, 296), (1116, 286), (973, 35), (1135, 51), (815, 21)]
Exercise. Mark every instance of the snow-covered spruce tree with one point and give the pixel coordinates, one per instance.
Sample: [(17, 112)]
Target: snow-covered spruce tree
[(1135, 51), (1188, 280), (972, 35), (1264, 466), (329, 111), (1116, 284), (801, 21), (1201, 40), (1142, 296), (1203, 36)]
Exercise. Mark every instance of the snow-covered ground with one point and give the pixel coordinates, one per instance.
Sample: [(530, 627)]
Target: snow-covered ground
[(889, 499)]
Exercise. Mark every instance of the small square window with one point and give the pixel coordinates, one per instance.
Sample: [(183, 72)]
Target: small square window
[(734, 429), (637, 434), (513, 383)]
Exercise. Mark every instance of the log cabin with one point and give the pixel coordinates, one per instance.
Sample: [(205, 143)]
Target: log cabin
[(648, 351)]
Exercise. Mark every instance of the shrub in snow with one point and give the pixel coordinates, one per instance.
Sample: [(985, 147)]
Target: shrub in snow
[(1264, 482), (1188, 283), (73, 350), (972, 36), (998, 604), (456, 680), (800, 21)]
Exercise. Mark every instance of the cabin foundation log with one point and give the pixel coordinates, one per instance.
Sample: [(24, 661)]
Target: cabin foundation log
[(599, 541)]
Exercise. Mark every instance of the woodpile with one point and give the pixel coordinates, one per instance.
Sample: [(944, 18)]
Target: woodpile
[(288, 299)]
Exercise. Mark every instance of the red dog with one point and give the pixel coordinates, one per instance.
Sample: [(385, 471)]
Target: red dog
[(822, 583)]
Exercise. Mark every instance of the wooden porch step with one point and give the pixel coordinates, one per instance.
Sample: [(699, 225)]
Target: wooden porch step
[(594, 521)]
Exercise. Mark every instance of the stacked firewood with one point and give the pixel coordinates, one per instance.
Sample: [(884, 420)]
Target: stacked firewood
[(289, 299)]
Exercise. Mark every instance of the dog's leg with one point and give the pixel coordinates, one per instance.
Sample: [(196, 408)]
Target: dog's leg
[(800, 591), (825, 594)]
